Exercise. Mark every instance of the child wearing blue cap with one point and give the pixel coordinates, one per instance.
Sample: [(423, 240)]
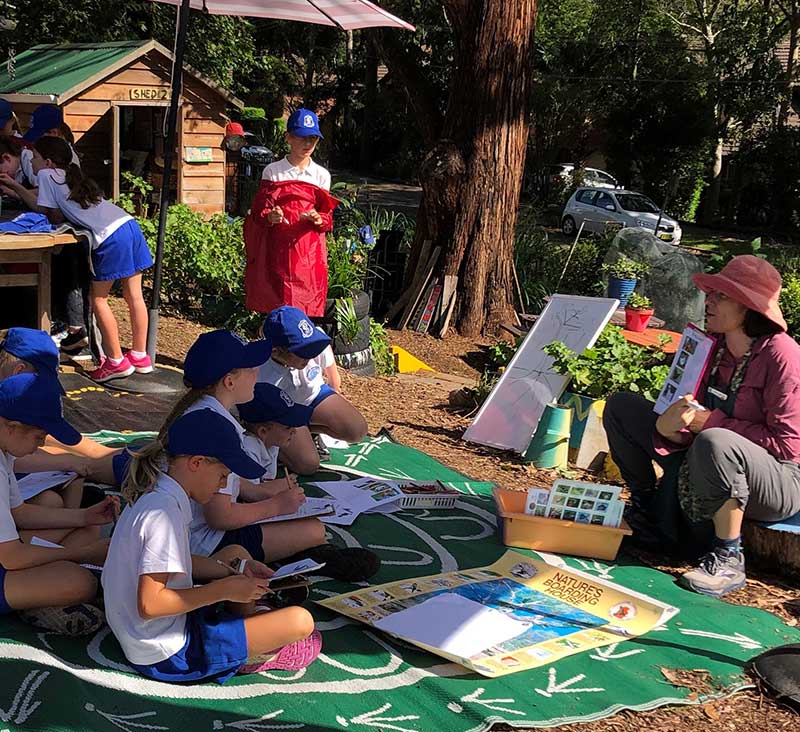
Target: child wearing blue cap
[(285, 230), (169, 629), (45, 584), (296, 366), (118, 250)]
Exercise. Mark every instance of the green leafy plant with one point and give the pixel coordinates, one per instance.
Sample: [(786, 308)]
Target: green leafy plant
[(790, 303), (638, 302), (626, 269), (346, 318), (502, 352), (381, 355), (135, 199), (611, 365)]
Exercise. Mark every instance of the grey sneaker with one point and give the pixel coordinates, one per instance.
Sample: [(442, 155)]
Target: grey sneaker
[(717, 574), (75, 620)]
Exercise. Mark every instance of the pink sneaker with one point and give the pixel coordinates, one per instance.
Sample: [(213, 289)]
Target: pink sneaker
[(108, 370), (141, 365), (291, 657)]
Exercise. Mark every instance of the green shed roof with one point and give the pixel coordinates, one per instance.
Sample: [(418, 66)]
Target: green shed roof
[(60, 71), (56, 69)]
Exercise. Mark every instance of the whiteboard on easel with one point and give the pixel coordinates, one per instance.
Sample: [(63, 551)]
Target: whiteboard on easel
[(511, 413)]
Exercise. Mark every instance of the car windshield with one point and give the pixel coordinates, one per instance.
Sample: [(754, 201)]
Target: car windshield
[(636, 202)]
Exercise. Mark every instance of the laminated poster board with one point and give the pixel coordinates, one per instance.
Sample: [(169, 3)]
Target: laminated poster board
[(688, 368), (510, 415), (514, 615)]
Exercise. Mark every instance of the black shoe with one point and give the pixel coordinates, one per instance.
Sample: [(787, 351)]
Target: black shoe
[(75, 341), (82, 354), (346, 565), (324, 453)]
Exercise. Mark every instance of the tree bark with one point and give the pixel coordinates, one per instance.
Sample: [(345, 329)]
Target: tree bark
[(472, 175)]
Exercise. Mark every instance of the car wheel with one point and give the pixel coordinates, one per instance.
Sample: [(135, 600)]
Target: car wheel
[(568, 226)]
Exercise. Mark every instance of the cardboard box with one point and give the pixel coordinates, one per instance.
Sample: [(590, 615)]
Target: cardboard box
[(518, 529)]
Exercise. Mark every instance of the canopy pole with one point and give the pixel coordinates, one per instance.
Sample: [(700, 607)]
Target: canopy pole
[(169, 154)]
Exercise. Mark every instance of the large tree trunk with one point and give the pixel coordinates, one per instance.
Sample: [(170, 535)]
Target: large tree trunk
[(791, 64), (472, 175)]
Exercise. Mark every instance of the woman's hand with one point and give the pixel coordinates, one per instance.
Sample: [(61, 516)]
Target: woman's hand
[(676, 418), (241, 588), (698, 423), (102, 513)]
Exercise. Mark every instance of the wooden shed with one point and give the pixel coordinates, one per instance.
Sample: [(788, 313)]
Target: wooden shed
[(115, 98)]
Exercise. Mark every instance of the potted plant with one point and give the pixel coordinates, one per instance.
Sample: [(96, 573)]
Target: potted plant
[(623, 276), (638, 311), (611, 365)]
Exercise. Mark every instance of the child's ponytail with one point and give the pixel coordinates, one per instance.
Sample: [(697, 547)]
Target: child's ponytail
[(83, 190), (143, 471)]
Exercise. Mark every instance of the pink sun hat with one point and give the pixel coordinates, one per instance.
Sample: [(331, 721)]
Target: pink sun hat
[(751, 281)]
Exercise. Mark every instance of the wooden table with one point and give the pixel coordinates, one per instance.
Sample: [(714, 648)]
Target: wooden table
[(650, 336), (35, 249)]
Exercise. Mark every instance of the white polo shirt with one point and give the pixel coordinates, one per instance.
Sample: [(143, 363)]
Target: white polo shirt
[(282, 170), (151, 537), (102, 218), (266, 457), (302, 385), (10, 498), (25, 170), (204, 539)]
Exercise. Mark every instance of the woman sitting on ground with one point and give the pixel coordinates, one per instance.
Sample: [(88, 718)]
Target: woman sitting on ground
[(740, 456)]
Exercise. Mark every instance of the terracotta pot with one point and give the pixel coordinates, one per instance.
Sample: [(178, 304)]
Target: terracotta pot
[(636, 320)]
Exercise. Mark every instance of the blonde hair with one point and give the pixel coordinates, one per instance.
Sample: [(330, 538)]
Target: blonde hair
[(147, 463)]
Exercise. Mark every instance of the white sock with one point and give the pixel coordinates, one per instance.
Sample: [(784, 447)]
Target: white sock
[(138, 354), (115, 361)]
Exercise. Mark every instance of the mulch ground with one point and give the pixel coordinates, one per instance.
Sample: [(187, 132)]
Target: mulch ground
[(415, 409)]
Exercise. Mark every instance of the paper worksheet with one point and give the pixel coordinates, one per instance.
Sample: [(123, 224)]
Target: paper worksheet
[(310, 507), (38, 541), (454, 624), (35, 483), (354, 497), (304, 566)]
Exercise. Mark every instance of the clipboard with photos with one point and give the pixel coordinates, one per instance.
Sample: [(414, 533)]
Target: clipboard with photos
[(688, 368)]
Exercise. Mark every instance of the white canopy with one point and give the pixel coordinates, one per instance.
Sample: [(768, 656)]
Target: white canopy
[(346, 14)]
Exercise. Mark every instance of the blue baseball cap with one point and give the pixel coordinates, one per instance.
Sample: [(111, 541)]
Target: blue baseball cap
[(303, 123), (271, 404), (218, 353), (6, 112), (44, 118), (35, 400), (291, 329), (210, 434), (33, 346)]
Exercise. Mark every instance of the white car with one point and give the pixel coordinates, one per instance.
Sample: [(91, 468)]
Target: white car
[(591, 176), (599, 208)]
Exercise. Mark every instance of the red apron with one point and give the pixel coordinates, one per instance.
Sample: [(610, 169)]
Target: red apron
[(287, 263)]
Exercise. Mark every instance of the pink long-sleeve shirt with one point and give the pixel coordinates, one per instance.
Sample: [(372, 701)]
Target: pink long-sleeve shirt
[(767, 406)]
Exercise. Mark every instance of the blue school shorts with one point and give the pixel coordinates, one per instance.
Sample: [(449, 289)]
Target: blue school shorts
[(122, 254), (249, 537), (324, 392), (215, 648), (5, 608)]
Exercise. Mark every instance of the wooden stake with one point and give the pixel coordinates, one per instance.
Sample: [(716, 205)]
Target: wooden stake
[(569, 257), (402, 301)]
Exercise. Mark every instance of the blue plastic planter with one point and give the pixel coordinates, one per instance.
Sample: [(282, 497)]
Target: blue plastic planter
[(620, 289)]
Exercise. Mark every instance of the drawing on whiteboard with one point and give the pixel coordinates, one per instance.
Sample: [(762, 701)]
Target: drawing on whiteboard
[(510, 415)]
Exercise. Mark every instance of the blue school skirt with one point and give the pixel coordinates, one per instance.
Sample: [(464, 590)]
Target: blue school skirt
[(122, 254), (249, 537), (215, 648), (5, 608)]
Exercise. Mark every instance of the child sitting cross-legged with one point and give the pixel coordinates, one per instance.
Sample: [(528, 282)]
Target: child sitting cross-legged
[(169, 629), (46, 584), (272, 421), (297, 366)]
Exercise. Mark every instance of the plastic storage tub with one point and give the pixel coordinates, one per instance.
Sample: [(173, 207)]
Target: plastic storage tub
[(553, 535)]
